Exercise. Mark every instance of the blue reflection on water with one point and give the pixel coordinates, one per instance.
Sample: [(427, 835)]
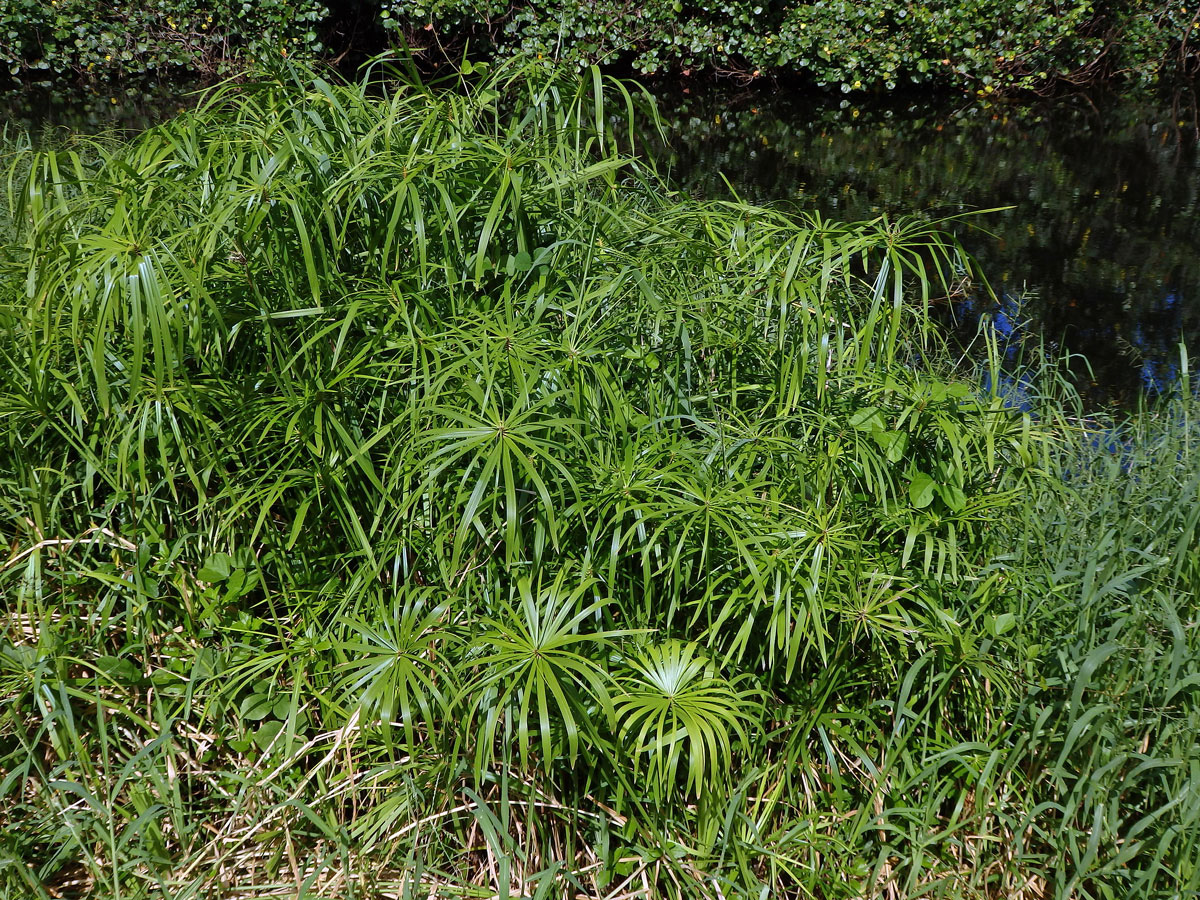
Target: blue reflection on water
[(1152, 345), (1155, 347), (1003, 319)]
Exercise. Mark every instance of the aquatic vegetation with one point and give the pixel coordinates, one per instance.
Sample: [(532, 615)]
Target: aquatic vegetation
[(408, 492)]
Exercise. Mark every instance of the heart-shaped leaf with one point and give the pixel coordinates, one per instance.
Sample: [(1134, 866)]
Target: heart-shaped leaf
[(256, 707), (922, 490), (216, 568)]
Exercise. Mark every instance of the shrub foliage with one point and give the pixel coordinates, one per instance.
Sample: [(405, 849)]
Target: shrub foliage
[(40, 38), (983, 45)]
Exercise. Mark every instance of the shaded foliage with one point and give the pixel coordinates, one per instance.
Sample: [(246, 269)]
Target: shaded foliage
[(118, 40), (984, 45)]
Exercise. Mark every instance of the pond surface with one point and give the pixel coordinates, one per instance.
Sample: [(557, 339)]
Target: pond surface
[(1099, 254)]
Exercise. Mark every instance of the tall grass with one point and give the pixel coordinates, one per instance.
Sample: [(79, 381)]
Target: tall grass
[(408, 494)]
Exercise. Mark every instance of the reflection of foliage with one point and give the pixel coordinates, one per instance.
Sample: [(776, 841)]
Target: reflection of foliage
[(47, 115), (1101, 229)]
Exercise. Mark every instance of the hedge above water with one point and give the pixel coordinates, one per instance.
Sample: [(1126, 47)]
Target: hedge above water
[(979, 45)]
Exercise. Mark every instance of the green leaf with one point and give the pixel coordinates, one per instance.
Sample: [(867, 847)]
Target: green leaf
[(953, 496), (266, 733), (893, 444), (537, 673), (206, 664), (216, 568), (1002, 623), (867, 419), (123, 671), (391, 670), (922, 490), (958, 390), (282, 707), (681, 713), (256, 707)]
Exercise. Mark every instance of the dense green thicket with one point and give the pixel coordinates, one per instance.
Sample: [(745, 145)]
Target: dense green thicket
[(405, 495), (983, 45), (44, 38)]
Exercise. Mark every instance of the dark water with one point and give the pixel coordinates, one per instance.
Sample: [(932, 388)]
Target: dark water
[(46, 109), (1099, 254)]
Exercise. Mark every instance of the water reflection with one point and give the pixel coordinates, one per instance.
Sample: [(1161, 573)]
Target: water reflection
[(1100, 243), (46, 110)]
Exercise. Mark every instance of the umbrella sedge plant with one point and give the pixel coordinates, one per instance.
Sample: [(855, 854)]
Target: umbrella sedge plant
[(406, 492)]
